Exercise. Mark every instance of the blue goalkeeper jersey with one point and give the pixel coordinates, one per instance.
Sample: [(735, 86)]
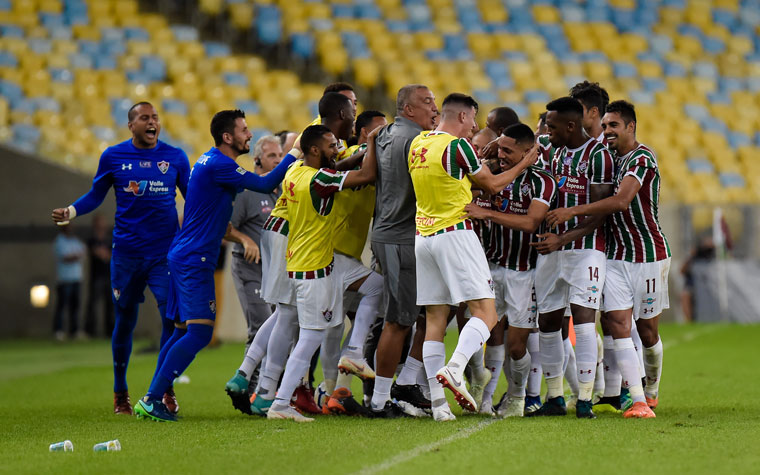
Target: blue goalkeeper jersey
[(144, 183), (214, 182)]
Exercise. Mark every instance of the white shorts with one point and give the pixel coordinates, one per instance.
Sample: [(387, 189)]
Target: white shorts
[(451, 268), (515, 296), (575, 276), (275, 285), (348, 270), (319, 302), (642, 286)]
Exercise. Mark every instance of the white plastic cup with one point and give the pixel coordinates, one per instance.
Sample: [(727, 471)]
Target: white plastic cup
[(65, 446), (109, 446)]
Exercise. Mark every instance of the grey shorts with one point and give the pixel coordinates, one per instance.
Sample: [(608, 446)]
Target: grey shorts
[(398, 265)]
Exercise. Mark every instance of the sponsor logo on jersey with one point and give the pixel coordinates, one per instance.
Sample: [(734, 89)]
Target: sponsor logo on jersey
[(327, 314), (240, 170), (594, 289), (137, 188), (572, 184), (568, 159), (126, 166), (157, 186), (649, 300), (423, 221), (212, 306), (504, 205), (163, 166), (146, 164)]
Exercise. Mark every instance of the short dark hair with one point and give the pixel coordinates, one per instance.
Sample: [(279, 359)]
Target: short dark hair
[(520, 132), (283, 136), (566, 105), (625, 109), (332, 103), (364, 120), (542, 118), (338, 87), (132, 112), (504, 117), (312, 135), (224, 122), (591, 94), (460, 99)]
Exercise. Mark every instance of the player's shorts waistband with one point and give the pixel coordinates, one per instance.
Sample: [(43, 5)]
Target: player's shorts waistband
[(278, 225), (466, 224), (312, 274)]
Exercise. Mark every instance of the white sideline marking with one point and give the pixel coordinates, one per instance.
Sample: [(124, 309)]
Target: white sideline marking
[(692, 335), (421, 449)]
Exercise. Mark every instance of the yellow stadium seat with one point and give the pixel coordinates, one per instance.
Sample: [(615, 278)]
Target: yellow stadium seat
[(213, 7), (545, 14)]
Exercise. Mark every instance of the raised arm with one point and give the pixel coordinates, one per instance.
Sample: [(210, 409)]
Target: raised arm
[(493, 184), (351, 162), (265, 184), (367, 173), (92, 199)]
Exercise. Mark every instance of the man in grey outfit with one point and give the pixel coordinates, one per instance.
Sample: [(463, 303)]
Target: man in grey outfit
[(393, 246), (250, 211)]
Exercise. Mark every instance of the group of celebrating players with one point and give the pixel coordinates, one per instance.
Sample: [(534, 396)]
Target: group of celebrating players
[(509, 231)]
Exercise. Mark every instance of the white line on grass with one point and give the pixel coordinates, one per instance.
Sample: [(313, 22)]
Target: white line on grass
[(692, 335), (421, 449)]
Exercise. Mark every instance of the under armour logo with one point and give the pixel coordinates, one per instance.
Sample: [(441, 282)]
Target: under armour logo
[(585, 371), (593, 299), (126, 166)]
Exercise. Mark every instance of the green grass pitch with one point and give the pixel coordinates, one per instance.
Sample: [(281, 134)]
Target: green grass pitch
[(708, 421)]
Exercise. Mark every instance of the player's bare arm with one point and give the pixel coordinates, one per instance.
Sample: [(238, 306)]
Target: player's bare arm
[(551, 242), (251, 252), (527, 222), (351, 162), (366, 174), (495, 183), (604, 207)]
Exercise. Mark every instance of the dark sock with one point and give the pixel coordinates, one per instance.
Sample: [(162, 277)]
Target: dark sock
[(121, 344), (179, 357)]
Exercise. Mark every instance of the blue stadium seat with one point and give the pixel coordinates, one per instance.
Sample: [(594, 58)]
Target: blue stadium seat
[(250, 106), (302, 45), (153, 67), (8, 59), (624, 70), (699, 165), (214, 49), (136, 33), (61, 75), (184, 34), (174, 106), (732, 180)]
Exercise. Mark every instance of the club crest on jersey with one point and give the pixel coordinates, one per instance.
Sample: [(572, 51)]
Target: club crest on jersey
[(327, 314), (116, 294), (490, 284), (137, 188), (525, 189), (212, 306), (145, 164), (163, 166), (582, 167)]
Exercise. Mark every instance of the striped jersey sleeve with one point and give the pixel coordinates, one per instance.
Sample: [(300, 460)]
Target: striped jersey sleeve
[(327, 182), (602, 166), (461, 159), (545, 152), (639, 167), (544, 187)]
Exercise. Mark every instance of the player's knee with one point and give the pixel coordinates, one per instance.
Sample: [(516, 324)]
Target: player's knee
[(517, 351), (372, 285), (200, 334)]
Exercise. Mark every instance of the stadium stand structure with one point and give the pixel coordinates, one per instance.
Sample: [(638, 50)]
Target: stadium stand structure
[(70, 67)]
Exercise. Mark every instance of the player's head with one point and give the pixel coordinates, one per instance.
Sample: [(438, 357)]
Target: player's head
[(287, 139), (458, 111), (514, 143), (267, 153), (564, 119), (337, 112), (366, 122), (500, 118), (319, 145), (482, 138), (343, 88), (142, 120), (619, 125), (230, 131), (541, 126), (594, 100), (417, 103)]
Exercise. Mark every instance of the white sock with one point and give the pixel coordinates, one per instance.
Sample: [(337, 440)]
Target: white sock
[(571, 369), (472, 338), (434, 357), (519, 370), (585, 354), (599, 375), (639, 347), (612, 377), (280, 341), (653, 368), (628, 362), (533, 387), (476, 361), (330, 351), (258, 347), (366, 314), (566, 361), (552, 353), (423, 381), (494, 361), (298, 363), (343, 381), (382, 392), (409, 372)]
